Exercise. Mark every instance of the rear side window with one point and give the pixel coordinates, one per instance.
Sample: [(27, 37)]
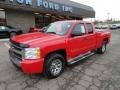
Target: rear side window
[(90, 28)]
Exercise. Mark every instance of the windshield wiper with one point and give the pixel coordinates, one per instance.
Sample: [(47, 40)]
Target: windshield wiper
[(51, 32), (41, 31)]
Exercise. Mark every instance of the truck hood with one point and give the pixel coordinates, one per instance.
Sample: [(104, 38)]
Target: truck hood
[(33, 38)]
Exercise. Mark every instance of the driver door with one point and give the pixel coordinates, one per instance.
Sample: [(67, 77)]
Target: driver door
[(78, 43)]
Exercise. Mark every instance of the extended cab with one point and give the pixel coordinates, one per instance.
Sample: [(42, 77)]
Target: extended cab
[(61, 43)]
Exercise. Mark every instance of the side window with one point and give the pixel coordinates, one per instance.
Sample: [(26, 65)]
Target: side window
[(79, 29), (90, 28)]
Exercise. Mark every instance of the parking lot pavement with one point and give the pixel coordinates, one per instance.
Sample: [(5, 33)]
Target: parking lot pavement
[(99, 72)]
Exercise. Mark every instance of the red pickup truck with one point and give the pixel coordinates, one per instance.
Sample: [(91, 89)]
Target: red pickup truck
[(62, 43)]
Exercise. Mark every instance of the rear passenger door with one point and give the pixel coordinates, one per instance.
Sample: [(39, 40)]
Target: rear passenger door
[(91, 37)]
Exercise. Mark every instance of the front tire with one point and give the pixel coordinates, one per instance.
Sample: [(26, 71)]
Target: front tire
[(102, 49), (54, 65)]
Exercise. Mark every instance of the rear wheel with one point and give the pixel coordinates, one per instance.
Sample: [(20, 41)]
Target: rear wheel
[(102, 49), (54, 65)]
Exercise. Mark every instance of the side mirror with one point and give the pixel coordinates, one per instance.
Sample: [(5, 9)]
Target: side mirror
[(76, 34)]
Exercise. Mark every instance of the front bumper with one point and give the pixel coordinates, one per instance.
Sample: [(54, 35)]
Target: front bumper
[(28, 66), (32, 66)]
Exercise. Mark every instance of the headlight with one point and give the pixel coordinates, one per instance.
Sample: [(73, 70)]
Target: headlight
[(31, 53)]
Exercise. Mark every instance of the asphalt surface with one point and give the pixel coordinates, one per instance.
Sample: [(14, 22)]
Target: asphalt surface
[(99, 72)]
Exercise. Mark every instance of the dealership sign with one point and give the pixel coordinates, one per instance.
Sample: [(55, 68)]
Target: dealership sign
[(46, 4)]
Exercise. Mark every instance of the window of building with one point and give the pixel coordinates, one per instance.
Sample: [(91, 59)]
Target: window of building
[(42, 20), (90, 28), (2, 17)]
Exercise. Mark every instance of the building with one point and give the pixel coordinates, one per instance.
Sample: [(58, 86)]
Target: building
[(38, 13)]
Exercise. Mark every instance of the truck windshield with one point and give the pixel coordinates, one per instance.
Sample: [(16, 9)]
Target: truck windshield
[(59, 28)]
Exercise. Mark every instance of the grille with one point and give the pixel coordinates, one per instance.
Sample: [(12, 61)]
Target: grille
[(16, 50), (15, 45), (15, 56)]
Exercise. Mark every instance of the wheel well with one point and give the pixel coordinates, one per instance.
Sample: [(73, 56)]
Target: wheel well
[(61, 51), (20, 32), (12, 32)]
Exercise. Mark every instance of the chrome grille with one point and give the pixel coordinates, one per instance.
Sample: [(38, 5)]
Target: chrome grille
[(16, 51)]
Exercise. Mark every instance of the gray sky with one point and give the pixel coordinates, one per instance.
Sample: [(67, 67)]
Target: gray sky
[(103, 7)]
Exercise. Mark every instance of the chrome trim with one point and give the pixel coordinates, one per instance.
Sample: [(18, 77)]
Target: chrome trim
[(13, 45), (81, 57), (16, 62), (16, 51)]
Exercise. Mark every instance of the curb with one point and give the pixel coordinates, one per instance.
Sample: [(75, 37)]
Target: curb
[(2, 40)]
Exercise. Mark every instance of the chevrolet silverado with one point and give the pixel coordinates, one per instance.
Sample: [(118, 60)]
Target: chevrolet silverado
[(62, 43)]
